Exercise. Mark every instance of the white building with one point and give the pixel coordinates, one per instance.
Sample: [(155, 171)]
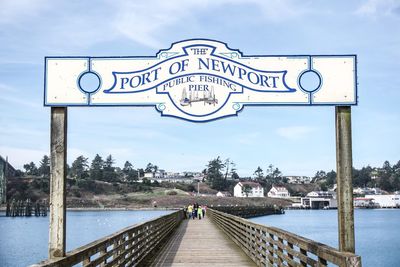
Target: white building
[(254, 190), (386, 201), (319, 200), (298, 179), (278, 192), (159, 174), (363, 202)]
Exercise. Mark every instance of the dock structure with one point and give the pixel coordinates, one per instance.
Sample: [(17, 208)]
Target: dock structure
[(220, 239), (200, 243)]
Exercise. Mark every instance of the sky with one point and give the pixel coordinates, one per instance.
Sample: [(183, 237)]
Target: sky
[(297, 140)]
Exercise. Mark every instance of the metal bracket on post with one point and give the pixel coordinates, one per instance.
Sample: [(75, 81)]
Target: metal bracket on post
[(344, 165), (58, 174)]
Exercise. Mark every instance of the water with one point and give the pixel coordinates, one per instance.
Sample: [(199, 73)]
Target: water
[(377, 231), (24, 241)]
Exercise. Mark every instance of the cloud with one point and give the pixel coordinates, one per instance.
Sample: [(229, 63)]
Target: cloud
[(19, 101), (6, 88), (12, 11), (248, 138), (20, 156), (145, 23), (379, 8), (295, 132), (63, 26)]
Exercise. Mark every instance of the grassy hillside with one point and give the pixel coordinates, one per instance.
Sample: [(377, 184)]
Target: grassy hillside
[(98, 194)]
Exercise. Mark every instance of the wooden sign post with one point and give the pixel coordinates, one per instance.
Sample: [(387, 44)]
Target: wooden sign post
[(58, 177), (344, 165)]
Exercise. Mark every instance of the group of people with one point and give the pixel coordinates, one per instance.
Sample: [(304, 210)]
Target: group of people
[(195, 210)]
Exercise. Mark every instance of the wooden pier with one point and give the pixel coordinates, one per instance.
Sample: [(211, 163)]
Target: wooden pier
[(220, 239), (200, 243)]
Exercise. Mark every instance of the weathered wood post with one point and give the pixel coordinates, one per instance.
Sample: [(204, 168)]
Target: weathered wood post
[(58, 174), (344, 165)]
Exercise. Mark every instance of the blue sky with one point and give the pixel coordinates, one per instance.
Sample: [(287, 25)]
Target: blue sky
[(299, 141)]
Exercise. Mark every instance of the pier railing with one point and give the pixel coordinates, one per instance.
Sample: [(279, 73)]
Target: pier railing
[(270, 246), (127, 247)]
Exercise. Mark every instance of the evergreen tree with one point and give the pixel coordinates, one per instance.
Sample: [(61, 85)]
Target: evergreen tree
[(319, 175), (229, 168), (384, 177), (44, 168), (31, 169), (259, 174), (214, 174), (96, 168), (129, 172), (273, 175), (80, 168), (109, 174)]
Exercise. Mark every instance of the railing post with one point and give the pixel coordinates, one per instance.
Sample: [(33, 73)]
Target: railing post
[(344, 167), (58, 173)]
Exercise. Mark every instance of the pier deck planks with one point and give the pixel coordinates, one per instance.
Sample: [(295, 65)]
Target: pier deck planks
[(200, 243)]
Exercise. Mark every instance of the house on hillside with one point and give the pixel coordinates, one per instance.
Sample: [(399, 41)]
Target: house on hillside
[(278, 192), (248, 189)]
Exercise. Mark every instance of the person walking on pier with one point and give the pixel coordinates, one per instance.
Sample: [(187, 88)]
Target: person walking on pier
[(199, 212), (195, 209), (190, 211)]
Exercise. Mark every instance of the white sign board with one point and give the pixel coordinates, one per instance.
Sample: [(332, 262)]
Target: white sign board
[(201, 80)]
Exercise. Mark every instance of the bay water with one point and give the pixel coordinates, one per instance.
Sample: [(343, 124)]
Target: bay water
[(24, 241), (377, 231)]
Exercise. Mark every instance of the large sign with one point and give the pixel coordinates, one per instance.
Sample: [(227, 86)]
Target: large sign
[(200, 80)]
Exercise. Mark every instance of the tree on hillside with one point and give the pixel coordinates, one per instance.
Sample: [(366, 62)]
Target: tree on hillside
[(214, 174), (319, 175), (31, 169), (273, 175), (129, 172), (109, 174), (259, 174), (96, 168), (151, 168), (80, 168), (235, 176), (361, 178), (229, 168), (140, 172), (331, 178), (44, 167)]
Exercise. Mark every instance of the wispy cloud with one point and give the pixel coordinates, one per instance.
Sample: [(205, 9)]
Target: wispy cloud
[(6, 88), (295, 132), (20, 156), (19, 101), (144, 23), (377, 8), (12, 11), (247, 138)]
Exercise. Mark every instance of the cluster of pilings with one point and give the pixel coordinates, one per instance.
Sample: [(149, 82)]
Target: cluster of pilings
[(26, 208)]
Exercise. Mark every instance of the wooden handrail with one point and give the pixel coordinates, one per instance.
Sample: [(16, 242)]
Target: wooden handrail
[(127, 247), (271, 246)]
